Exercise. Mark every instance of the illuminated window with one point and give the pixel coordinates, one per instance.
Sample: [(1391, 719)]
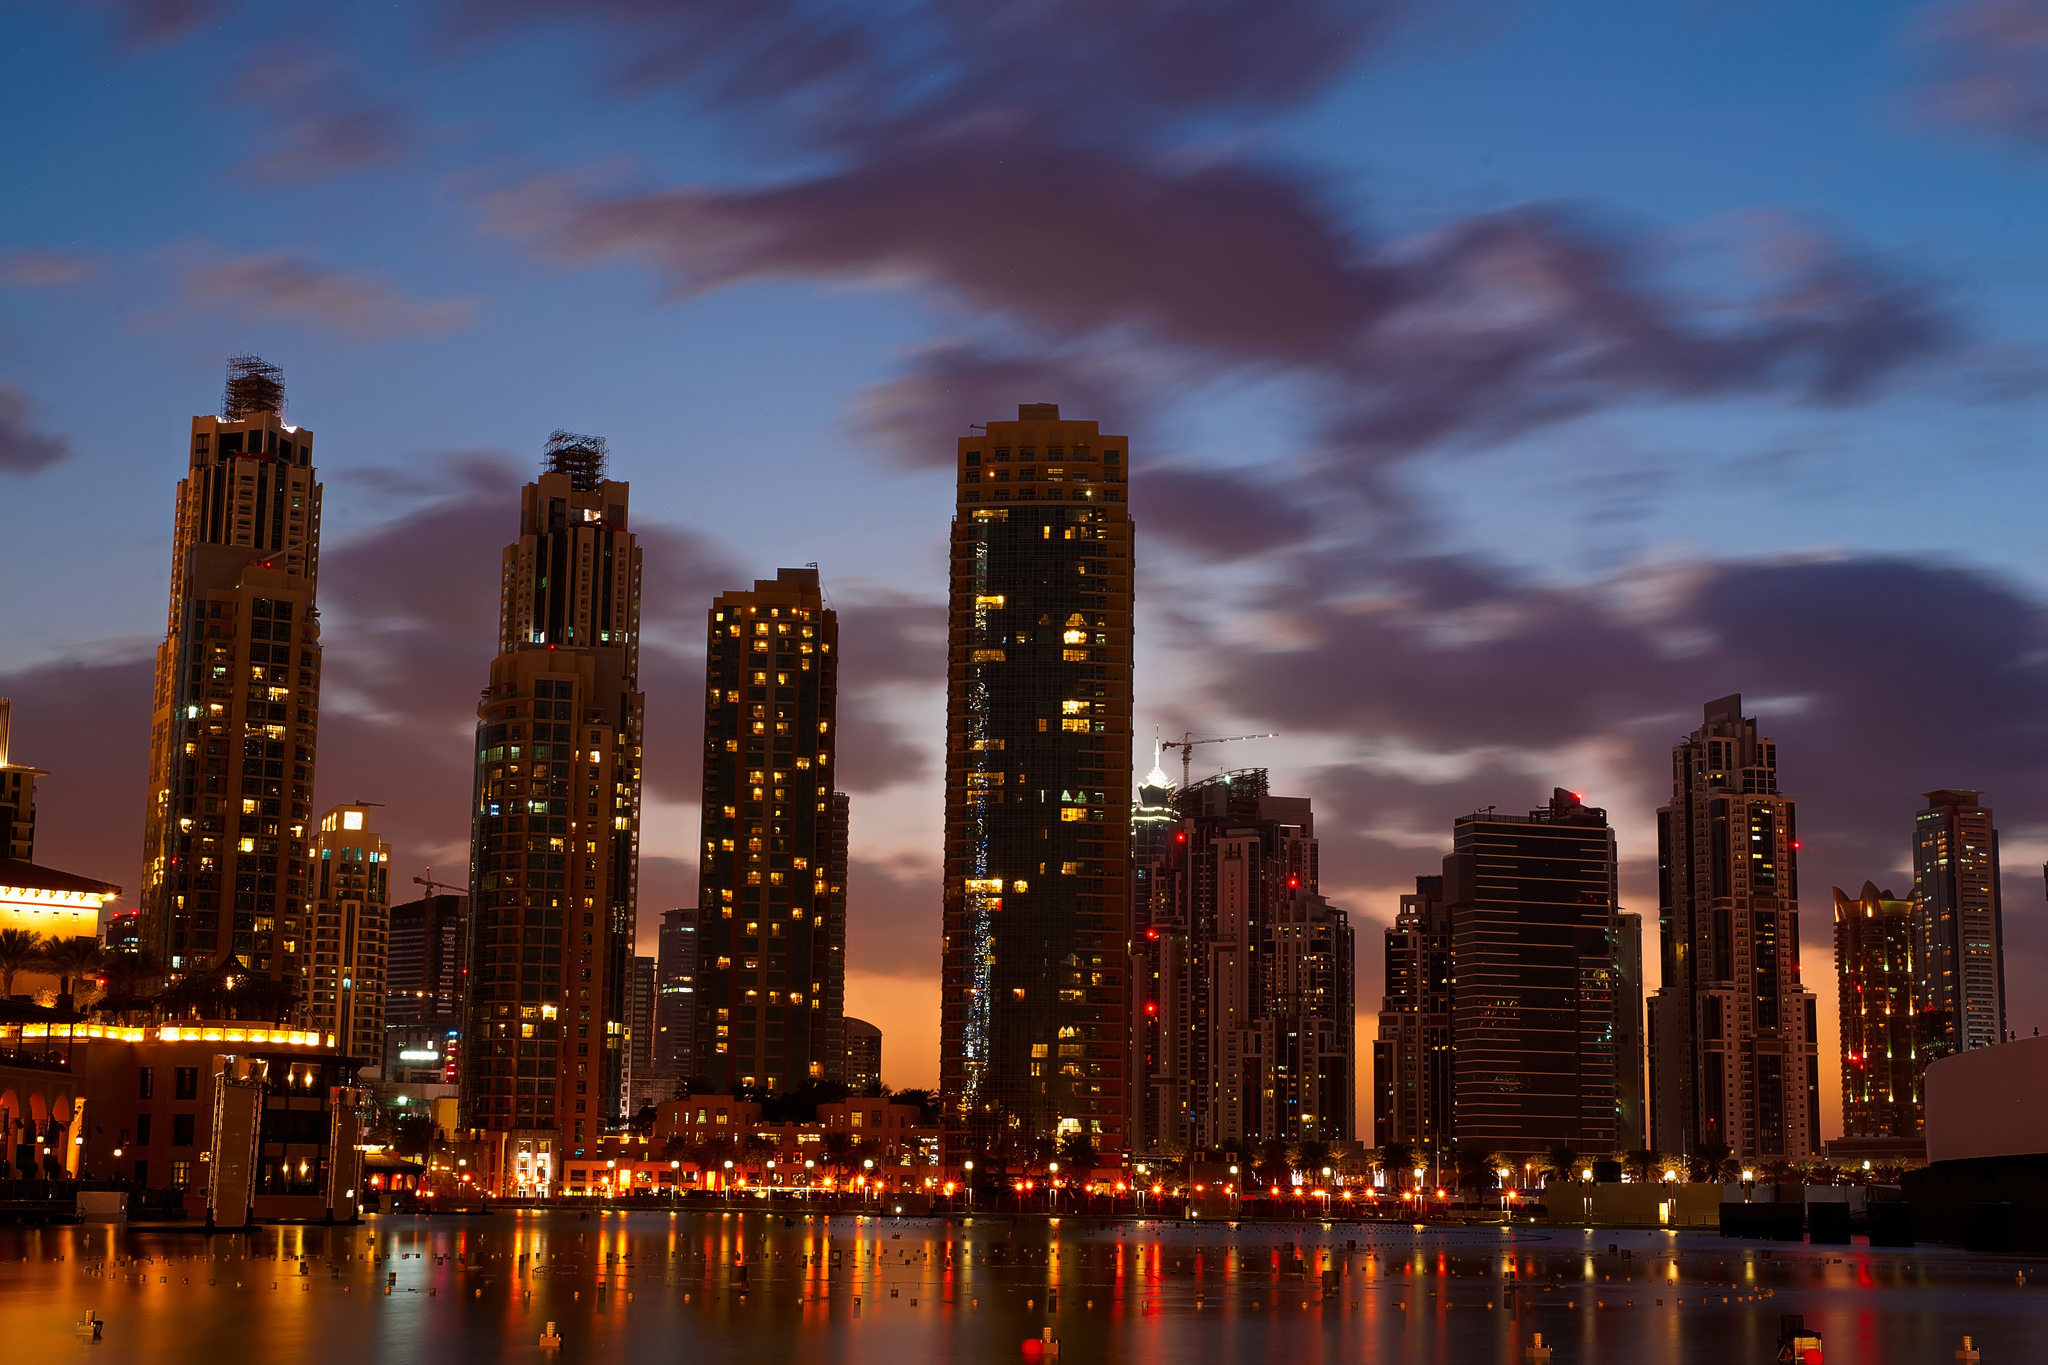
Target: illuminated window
[(351, 819), (1073, 813), (1074, 656), (987, 656), (1078, 726), (990, 600), (1070, 869)]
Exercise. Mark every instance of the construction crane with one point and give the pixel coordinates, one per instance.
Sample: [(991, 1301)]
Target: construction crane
[(1187, 742), (429, 883)]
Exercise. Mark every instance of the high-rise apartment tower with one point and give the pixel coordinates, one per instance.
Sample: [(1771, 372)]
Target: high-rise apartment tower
[(237, 702), (1034, 1025), (1411, 1058), (1243, 979), (1531, 900), (426, 967), (863, 1065), (1631, 1050), (348, 930), (771, 878), (1961, 949), (1731, 1029), (675, 986), (1881, 1059), (17, 796), (557, 822)]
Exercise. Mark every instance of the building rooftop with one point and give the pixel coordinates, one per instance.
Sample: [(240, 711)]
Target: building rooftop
[(16, 875)]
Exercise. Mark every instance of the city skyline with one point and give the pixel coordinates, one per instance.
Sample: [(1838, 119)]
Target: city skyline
[(1452, 574)]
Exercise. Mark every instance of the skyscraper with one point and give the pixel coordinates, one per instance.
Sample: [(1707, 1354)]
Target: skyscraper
[(1631, 1054), (771, 882), (1411, 1058), (1153, 821), (1731, 1029), (426, 965), (675, 986), (640, 1001), (1531, 900), (236, 709), (1961, 933), (863, 1065), (1881, 1060), (17, 796), (556, 821), (1034, 1022), (1243, 993), (348, 932), (1159, 1052)]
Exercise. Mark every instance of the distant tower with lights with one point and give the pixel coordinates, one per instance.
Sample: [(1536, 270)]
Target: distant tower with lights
[(1533, 919), (349, 932), (236, 710), (1881, 1061), (1959, 927), (556, 822), (1034, 1025), (770, 989), (1732, 1054)]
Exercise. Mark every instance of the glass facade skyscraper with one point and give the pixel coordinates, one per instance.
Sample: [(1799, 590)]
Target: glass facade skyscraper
[(1960, 953), (1035, 983), (1531, 904)]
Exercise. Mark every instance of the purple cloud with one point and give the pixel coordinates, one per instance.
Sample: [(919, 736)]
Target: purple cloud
[(322, 120), (1990, 66), (37, 269), (23, 449), (1219, 514), (954, 384), (142, 23), (290, 288)]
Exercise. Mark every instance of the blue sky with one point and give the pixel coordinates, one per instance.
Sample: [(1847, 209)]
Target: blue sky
[(1604, 357)]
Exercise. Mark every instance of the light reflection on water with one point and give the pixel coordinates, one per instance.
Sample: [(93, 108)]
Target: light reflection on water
[(746, 1287)]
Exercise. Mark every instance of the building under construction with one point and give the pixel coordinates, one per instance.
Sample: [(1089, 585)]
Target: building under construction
[(1242, 980)]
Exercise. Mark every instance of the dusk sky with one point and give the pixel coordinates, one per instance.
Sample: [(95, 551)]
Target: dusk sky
[(1504, 380)]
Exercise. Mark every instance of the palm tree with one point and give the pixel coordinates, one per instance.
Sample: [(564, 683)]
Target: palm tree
[(74, 960), (1711, 1161), (839, 1150), (129, 974), (20, 949), (1398, 1157), (1559, 1162), (1078, 1155), (1476, 1163), (1272, 1167), (1643, 1163), (1311, 1156), (758, 1147)]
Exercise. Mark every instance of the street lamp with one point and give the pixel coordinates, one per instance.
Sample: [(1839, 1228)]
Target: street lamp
[(970, 1186)]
